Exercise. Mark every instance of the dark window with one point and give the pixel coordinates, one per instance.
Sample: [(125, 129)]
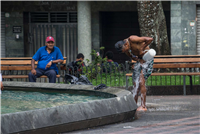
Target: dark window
[(39, 17), (54, 17)]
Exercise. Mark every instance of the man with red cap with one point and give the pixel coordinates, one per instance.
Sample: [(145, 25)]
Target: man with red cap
[(47, 57)]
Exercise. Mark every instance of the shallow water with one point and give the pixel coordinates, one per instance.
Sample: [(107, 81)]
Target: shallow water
[(17, 101)]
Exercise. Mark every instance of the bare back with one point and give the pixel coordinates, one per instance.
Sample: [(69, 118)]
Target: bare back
[(139, 44)]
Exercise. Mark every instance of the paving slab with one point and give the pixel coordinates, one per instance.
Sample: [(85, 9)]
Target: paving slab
[(165, 114)]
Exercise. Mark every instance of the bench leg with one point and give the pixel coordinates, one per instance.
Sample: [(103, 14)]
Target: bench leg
[(191, 90), (127, 70), (126, 82), (59, 70), (184, 86), (59, 80)]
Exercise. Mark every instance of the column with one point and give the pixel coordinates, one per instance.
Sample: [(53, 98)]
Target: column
[(84, 29)]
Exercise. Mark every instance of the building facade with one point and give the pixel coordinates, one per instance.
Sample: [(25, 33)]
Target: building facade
[(185, 27), (80, 26)]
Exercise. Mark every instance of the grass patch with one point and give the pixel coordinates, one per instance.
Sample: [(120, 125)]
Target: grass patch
[(111, 80), (171, 80), (119, 80)]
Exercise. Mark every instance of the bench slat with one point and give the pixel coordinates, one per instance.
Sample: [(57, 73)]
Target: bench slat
[(21, 58), (22, 76), (176, 60), (21, 67), (20, 62), (15, 67), (176, 56), (180, 65), (170, 74), (17, 62)]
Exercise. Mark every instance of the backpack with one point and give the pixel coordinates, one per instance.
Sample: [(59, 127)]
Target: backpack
[(75, 67)]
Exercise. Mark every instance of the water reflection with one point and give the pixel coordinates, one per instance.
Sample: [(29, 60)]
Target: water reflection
[(16, 101)]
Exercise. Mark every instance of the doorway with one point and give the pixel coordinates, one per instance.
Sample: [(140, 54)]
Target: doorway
[(116, 26)]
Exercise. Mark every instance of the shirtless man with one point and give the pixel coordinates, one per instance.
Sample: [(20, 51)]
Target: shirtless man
[(135, 47)]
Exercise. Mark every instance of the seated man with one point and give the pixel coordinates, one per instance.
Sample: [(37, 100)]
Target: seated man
[(47, 57), (110, 63), (75, 66), (1, 84)]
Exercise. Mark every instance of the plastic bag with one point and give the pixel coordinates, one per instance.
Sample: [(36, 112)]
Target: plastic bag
[(100, 86), (82, 80)]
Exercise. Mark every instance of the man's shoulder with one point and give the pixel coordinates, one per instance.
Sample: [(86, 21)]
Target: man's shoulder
[(42, 48), (133, 38), (56, 48)]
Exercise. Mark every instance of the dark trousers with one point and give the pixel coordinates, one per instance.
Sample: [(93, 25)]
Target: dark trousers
[(51, 74)]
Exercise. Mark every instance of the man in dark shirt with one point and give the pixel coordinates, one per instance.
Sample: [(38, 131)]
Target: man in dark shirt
[(110, 64), (75, 66)]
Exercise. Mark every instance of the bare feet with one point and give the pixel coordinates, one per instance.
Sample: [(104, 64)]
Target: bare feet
[(140, 108)]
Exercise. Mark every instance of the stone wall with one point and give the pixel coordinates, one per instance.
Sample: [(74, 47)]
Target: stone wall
[(176, 28), (14, 47), (17, 48), (183, 35)]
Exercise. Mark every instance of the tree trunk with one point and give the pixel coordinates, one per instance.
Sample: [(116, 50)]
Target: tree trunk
[(153, 24)]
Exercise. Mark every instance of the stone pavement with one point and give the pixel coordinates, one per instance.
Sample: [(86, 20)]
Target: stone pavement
[(165, 114)]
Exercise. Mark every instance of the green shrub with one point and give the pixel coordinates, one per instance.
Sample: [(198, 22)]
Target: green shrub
[(94, 67)]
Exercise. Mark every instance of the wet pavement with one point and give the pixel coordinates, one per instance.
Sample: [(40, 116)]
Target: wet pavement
[(165, 114)]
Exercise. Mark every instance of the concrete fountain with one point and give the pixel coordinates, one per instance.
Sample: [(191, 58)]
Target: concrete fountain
[(115, 106)]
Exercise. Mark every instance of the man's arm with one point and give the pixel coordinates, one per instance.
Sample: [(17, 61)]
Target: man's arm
[(57, 61), (54, 62), (32, 64), (136, 39), (1, 82), (133, 58), (33, 71), (147, 40), (59, 58)]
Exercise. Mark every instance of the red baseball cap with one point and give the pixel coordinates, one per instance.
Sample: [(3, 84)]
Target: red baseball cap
[(50, 38)]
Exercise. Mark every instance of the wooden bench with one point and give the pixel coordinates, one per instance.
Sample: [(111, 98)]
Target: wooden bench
[(21, 64), (167, 62)]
